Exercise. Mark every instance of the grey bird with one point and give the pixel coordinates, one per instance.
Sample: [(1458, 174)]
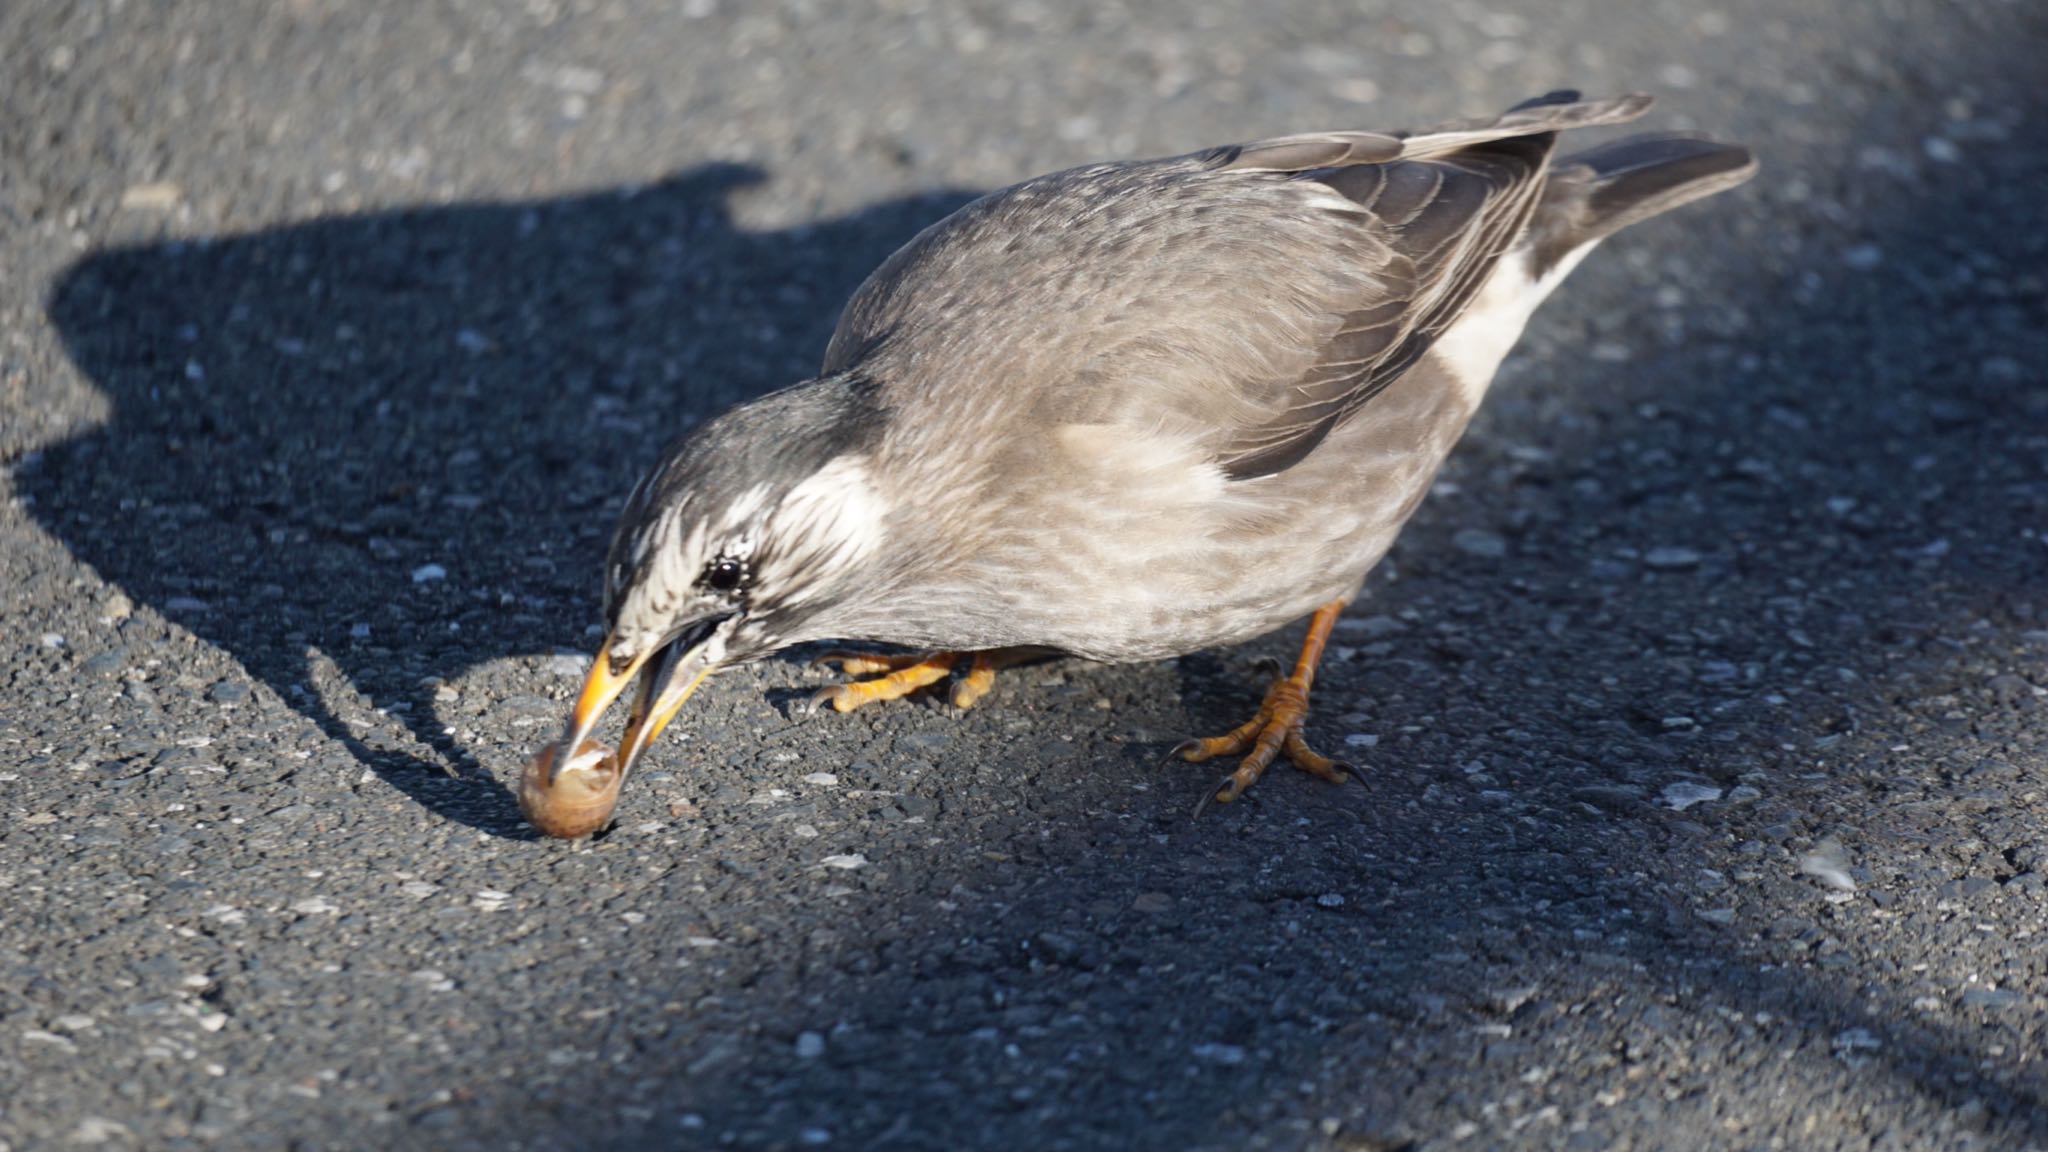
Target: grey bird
[(1122, 412)]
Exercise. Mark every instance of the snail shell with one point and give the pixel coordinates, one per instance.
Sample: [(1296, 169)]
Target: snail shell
[(582, 797)]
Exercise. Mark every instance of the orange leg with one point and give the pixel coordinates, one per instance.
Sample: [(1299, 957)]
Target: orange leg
[(1277, 727), (868, 663), (906, 674)]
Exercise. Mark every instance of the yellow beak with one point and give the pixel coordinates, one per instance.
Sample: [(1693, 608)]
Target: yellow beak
[(669, 675), (600, 688), (651, 714)]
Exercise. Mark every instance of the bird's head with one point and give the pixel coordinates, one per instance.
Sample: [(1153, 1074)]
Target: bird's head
[(739, 542)]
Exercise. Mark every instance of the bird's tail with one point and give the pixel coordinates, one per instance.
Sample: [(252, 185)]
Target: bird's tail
[(1595, 193)]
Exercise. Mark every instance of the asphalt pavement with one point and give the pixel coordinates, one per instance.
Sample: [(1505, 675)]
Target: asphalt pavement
[(1704, 705)]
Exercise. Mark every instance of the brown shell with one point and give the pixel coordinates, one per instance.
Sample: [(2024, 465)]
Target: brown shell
[(583, 795)]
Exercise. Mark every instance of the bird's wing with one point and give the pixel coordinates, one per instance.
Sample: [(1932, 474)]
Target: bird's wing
[(1248, 298)]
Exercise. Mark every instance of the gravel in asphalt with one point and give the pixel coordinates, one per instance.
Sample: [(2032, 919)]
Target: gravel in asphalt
[(1702, 705)]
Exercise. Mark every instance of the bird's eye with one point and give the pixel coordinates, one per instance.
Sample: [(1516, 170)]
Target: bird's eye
[(724, 573)]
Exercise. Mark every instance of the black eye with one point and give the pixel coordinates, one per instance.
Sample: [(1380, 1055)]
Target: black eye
[(724, 573)]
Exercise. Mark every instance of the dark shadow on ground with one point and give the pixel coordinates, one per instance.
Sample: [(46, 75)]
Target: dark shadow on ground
[(304, 418), (309, 423)]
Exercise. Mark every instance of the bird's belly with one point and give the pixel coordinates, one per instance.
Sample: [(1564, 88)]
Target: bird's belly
[(1119, 577)]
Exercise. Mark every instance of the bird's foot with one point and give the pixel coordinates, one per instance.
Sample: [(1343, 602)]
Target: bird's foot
[(902, 675), (905, 674), (1275, 730)]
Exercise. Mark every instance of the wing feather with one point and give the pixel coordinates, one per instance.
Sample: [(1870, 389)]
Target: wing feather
[(1247, 298)]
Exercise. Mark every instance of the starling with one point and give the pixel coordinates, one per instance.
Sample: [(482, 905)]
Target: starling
[(1121, 412)]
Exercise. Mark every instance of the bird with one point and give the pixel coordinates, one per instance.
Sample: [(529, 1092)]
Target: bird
[(1121, 412)]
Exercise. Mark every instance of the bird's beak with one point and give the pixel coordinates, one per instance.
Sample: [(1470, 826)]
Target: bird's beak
[(668, 673), (675, 674)]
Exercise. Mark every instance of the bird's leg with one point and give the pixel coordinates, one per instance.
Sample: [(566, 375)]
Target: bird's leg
[(981, 674), (908, 673), (868, 663), (1277, 727)]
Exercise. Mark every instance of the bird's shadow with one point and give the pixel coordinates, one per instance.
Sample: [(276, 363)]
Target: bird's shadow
[(365, 454)]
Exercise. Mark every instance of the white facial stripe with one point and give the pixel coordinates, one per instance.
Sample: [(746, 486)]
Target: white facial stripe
[(797, 546), (833, 519), (743, 507)]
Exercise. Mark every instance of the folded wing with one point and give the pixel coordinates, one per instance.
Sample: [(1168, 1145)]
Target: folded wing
[(1246, 299)]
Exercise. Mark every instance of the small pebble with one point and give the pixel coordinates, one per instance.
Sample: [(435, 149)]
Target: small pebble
[(159, 196), (1479, 542), (848, 862), (427, 573), (1683, 794), (1990, 998), (1941, 150), (1510, 1000), (1671, 559), (1228, 1055), (98, 1130), (2007, 689), (1863, 258), (1829, 864), (810, 1045), (1371, 627)]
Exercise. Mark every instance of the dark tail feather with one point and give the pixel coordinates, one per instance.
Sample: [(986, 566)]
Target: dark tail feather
[(1602, 190), (1560, 96)]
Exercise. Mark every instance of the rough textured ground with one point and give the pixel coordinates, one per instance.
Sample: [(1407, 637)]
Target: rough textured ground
[(1704, 703)]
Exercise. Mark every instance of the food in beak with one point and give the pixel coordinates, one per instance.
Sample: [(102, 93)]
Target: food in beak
[(575, 799)]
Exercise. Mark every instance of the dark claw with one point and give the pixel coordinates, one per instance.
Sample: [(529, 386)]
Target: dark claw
[(1270, 665), (1349, 768), (1211, 794), (1179, 751), (817, 700)]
